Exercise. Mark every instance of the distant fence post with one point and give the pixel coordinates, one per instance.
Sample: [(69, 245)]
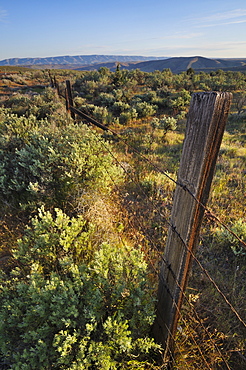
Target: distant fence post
[(69, 98), (205, 127), (52, 83), (56, 85)]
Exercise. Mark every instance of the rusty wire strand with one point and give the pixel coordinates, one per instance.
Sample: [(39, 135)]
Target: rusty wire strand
[(173, 227), (183, 186), (171, 271)]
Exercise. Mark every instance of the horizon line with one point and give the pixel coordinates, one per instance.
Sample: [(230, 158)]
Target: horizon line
[(123, 55)]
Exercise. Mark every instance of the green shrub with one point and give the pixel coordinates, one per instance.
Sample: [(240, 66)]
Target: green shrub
[(18, 103), (44, 164), (42, 105), (119, 107), (225, 239), (165, 124), (168, 123), (127, 117), (69, 306), (145, 109), (101, 114)]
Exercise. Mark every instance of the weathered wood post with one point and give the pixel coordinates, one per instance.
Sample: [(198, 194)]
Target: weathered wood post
[(51, 79), (56, 85), (69, 98), (205, 126)]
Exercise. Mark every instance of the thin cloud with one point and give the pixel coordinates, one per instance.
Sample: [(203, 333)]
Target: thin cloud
[(216, 49), (175, 36), (236, 13), (221, 19), (222, 23), (181, 36), (3, 15)]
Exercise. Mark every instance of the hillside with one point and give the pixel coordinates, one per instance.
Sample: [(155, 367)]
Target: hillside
[(74, 60), (145, 64), (198, 63), (112, 66), (85, 217), (177, 65)]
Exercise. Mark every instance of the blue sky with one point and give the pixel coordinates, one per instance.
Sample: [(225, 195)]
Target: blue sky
[(210, 28)]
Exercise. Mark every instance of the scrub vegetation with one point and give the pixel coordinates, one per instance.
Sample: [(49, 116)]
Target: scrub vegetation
[(83, 222)]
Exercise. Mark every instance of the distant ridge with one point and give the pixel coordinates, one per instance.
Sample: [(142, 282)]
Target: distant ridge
[(74, 60), (145, 64), (198, 63)]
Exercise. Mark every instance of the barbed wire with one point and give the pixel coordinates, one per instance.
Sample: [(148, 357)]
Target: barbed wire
[(174, 229), (208, 212), (172, 273)]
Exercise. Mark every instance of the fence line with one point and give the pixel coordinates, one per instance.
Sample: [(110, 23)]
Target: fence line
[(208, 212), (185, 188), (173, 274)]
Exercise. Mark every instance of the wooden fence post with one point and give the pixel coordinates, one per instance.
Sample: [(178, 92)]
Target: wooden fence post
[(205, 127), (51, 79), (56, 85), (69, 98)]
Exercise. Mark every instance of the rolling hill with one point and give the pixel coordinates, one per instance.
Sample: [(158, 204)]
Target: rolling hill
[(146, 64), (180, 64), (81, 60)]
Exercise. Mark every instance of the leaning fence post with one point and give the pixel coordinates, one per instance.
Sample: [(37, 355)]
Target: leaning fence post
[(56, 85), (69, 98), (51, 79), (205, 127)]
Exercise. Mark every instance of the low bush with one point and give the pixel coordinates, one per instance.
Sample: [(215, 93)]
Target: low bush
[(70, 306), (225, 239), (44, 164)]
